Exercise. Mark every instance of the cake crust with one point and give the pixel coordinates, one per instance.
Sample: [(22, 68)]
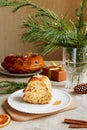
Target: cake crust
[(23, 64)]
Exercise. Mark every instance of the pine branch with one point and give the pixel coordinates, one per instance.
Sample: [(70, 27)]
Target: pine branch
[(7, 87), (80, 14), (48, 31), (17, 5), (4, 3)]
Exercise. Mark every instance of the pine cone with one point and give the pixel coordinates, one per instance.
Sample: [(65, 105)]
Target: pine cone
[(81, 88)]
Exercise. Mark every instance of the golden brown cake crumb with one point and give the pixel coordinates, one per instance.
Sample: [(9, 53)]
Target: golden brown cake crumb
[(57, 102)]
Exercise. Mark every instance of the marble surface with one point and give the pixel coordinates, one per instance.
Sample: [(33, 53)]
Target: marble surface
[(53, 122)]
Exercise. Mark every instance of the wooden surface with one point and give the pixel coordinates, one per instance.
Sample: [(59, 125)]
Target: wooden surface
[(21, 116)]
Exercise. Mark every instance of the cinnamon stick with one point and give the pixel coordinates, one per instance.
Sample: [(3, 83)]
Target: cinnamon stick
[(77, 126), (75, 121)]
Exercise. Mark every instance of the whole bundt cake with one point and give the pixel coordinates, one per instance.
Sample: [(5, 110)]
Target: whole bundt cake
[(19, 64)]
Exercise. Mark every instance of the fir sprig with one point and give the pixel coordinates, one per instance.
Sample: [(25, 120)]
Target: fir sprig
[(80, 15), (7, 87), (48, 31)]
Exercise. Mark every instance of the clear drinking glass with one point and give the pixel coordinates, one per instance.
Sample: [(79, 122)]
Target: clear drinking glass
[(75, 61)]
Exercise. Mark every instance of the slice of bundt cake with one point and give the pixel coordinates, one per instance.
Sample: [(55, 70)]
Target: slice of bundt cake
[(38, 90)]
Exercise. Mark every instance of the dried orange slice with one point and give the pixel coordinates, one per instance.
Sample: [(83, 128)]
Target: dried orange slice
[(4, 120)]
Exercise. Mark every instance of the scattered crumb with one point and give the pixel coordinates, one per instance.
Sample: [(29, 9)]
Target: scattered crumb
[(57, 102)]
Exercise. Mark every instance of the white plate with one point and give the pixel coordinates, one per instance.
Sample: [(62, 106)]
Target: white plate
[(5, 72), (15, 100)]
